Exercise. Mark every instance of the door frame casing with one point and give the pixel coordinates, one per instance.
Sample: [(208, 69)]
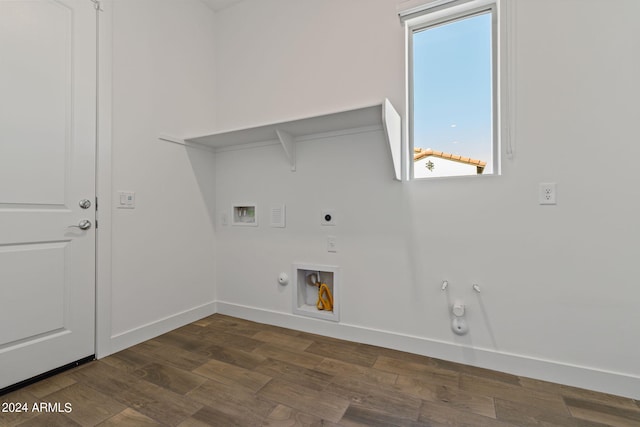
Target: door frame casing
[(104, 180)]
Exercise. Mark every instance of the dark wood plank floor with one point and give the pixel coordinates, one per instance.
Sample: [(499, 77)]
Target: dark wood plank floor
[(223, 371)]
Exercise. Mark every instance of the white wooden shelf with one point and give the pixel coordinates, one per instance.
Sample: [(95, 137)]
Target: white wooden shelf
[(382, 116)]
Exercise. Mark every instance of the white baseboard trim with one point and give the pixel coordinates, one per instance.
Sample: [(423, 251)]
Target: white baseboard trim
[(547, 370), (151, 330)]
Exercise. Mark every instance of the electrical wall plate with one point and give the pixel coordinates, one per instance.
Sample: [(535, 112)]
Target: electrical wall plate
[(332, 244), (126, 199), (328, 217), (547, 193)]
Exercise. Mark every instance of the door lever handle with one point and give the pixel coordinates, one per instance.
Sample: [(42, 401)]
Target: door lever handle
[(84, 224)]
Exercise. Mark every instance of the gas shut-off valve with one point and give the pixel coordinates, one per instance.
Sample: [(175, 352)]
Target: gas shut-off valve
[(459, 323)]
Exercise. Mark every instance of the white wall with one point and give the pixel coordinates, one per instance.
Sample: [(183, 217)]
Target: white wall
[(281, 59), (163, 251), (559, 294)]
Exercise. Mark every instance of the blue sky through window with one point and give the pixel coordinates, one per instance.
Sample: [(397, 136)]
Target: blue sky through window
[(452, 88)]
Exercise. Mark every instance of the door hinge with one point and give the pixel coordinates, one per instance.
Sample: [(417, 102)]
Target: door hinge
[(96, 204)]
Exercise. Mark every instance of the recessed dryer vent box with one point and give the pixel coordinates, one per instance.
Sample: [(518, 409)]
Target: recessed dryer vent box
[(305, 290), (245, 214)]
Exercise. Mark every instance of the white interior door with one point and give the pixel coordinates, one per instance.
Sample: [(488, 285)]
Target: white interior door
[(47, 166)]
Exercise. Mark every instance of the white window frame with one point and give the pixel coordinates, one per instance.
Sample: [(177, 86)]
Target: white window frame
[(419, 15)]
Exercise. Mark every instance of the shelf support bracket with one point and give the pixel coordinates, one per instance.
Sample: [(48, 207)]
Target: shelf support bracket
[(288, 144)]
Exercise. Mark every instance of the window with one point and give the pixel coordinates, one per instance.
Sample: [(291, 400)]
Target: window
[(453, 92)]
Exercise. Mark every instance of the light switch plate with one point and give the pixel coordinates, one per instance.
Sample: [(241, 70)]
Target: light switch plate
[(126, 200)]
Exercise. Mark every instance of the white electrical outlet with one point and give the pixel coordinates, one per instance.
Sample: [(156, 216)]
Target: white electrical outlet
[(332, 244), (547, 193)]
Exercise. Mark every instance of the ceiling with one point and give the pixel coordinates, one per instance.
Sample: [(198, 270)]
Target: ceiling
[(220, 4)]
